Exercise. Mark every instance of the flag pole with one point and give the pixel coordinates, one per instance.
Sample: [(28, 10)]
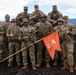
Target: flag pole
[(19, 51)]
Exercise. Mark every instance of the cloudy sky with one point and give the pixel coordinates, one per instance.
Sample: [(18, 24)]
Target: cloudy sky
[(13, 7)]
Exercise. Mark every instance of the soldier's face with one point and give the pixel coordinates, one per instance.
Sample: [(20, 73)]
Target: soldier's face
[(43, 19), (25, 11), (7, 19), (26, 24), (60, 23), (65, 20), (36, 9), (54, 9)]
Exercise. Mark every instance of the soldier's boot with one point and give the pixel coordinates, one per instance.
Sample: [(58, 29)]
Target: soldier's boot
[(38, 65), (34, 68), (47, 65), (65, 66), (55, 63), (18, 63), (75, 67), (71, 69), (10, 64), (24, 67)]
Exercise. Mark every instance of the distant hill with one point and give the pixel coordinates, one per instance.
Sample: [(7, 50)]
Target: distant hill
[(73, 21)]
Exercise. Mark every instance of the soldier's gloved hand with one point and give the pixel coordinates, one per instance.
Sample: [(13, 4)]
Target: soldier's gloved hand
[(67, 31), (26, 39)]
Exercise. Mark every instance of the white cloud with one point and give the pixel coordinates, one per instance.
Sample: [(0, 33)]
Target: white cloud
[(13, 7)]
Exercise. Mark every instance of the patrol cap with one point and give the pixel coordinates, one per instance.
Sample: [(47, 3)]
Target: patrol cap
[(54, 5), (7, 16), (36, 6), (60, 20), (25, 21), (25, 8), (65, 17), (13, 20), (43, 16)]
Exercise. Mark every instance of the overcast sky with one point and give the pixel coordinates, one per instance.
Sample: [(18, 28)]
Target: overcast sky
[(13, 7)]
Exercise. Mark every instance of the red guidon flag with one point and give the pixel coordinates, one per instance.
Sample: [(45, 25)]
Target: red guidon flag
[(52, 43)]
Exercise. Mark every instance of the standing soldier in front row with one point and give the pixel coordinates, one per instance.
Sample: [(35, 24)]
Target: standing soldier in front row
[(13, 34), (5, 26), (59, 29), (68, 49), (1, 41), (28, 37), (43, 28), (75, 49)]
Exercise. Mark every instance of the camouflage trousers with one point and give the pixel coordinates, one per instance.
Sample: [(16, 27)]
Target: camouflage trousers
[(40, 46), (14, 46), (67, 53), (75, 53), (31, 53), (1, 49)]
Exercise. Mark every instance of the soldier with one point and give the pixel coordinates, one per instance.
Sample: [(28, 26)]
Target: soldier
[(54, 15), (59, 29), (35, 15), (67, 50), (75, 50), (43, 28), (5, 26), (28, 37), (22, 15), (13, 34), (1, 41)]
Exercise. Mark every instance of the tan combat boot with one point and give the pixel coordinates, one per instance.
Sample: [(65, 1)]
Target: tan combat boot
[(38, 65), (55, 63), (9, 63), (71, 69), (75, 67), (47, 65), (65, 66), (25, 67), (34, 68), (18, 63)]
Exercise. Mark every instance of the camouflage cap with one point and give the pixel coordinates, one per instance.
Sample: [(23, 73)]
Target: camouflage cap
[(7, 16), (65, 17), (25, 8), (13, 20), (54, 5), (36, 6), (25, 20), (60, 20)]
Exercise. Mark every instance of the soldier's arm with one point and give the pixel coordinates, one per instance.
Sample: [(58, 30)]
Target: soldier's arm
[(60, 14), (1, 30), (8, 32)]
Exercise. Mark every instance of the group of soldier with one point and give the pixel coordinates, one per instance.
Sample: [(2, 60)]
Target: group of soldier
[(27, 28)]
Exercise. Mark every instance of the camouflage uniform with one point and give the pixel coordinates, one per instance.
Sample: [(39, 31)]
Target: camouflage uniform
[(1, 41), (59, 29), (14, 40), (67, 47), (21, 16), (42, 29), (54, 16), (37, 15), (5, 26), (28, 37)]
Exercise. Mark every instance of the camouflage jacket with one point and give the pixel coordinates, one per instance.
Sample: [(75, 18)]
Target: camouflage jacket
[(28, 32), (54, 16), (15, 30), (43, 29), (5, 26), (68, 36)]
